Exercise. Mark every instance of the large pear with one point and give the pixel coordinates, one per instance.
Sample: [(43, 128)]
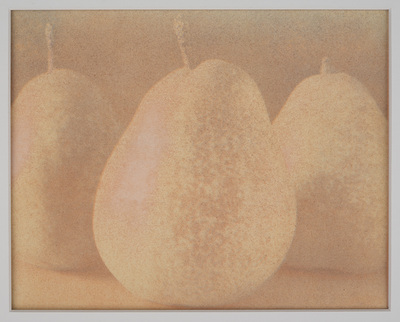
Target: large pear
[(63, 131), (195, 206), (335, 142)]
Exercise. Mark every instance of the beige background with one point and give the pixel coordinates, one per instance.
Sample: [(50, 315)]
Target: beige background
[(126, 52)]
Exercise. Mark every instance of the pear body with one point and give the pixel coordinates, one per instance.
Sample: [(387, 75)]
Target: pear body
[(194, 207), (62, 133), (334, 139)]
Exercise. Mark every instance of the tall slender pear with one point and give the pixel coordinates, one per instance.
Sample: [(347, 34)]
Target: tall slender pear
[(63, 131)]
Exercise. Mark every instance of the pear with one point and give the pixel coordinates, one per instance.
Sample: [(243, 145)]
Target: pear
[(194, 207), (335, 142), (63, 131)]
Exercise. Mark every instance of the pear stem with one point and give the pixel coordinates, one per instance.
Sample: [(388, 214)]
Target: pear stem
[(326, 67), (180, 35), (49, 38)]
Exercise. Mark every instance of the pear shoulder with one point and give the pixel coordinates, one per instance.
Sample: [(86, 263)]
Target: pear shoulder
[(339, 85), (59, 82), (163, 87), (215, 70)]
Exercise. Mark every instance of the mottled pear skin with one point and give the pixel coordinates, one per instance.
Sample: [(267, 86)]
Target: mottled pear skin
[(335, 142), (195, 206), (62, 134)]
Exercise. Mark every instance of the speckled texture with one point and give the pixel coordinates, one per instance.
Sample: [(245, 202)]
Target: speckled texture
[(335, 141), (66, 131), (219, 212)]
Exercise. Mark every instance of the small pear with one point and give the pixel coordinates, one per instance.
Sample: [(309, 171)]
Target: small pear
[(194, 206), (335, 142), (62, 134)]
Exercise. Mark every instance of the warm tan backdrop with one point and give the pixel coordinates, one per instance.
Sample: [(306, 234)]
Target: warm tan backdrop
[(126, 52)]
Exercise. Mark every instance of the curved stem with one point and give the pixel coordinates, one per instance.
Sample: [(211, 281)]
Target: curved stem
[(180, 35), (49, 38)]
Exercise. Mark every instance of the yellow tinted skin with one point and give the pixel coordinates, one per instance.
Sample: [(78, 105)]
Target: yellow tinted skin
[(334, 138), (218, 212), (70, 135)]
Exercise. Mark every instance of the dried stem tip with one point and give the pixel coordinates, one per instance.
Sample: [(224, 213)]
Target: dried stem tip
[(326, 67), (49, 38), (180, 35)]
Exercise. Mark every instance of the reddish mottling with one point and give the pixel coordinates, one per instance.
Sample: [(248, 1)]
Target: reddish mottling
[(135, 178)]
